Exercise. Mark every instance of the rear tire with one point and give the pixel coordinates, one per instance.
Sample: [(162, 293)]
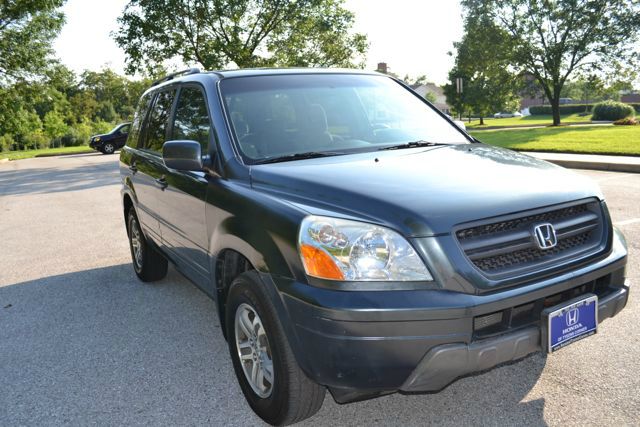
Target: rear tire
[(148, 263), (290, 396)]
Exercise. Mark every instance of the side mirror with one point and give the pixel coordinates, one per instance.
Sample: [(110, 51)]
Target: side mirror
[(182, 155), (460, 124)]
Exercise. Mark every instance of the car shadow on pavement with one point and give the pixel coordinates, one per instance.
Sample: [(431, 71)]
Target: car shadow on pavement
[(54, 180), (496, 397), (98, 346)]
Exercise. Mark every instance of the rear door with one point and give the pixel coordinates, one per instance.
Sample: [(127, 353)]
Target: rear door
[(132, 161), (183, 222), (151, 174)]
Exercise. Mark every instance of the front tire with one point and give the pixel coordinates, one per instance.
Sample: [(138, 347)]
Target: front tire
[(108, 148), (148, 264), (270, 378)]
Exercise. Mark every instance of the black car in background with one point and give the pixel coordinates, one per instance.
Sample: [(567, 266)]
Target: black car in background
[(108, 143)]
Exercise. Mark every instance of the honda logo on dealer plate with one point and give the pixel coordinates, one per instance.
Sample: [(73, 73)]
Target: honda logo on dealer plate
[(545, 236), (572, 317)]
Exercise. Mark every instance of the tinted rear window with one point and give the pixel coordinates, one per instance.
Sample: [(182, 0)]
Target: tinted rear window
[(159, 121), (141, 112)]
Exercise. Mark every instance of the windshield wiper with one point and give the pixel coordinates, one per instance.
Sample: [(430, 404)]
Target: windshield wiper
[(412, 144), (297, 156)]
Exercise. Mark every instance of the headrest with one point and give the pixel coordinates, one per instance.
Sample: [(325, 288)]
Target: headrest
[(317, 118)]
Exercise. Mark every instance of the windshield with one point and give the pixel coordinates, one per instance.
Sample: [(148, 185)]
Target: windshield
[(285, 115)]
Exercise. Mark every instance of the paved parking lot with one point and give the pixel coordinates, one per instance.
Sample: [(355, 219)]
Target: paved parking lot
[(82, 341)]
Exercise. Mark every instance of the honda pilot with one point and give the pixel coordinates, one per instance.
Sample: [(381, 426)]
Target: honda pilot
[(355, 239)]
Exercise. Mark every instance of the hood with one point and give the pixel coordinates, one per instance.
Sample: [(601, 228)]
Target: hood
[(423, 192)]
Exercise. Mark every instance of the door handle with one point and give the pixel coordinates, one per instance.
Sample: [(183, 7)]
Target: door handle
[(162, 183), (133, 168)]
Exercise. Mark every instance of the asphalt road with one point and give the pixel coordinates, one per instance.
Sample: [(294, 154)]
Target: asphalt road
[(82, 341)]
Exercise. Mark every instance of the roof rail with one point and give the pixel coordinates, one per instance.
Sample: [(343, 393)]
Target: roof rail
[(176, 74)]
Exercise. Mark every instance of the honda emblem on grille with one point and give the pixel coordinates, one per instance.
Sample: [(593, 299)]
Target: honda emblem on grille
[(545, 236)]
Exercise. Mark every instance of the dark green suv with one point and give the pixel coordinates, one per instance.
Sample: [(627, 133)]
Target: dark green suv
[(355, 239)]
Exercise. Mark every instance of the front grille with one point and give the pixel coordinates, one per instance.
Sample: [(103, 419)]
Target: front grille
[(505, 247), (513, 224), (531, 255)]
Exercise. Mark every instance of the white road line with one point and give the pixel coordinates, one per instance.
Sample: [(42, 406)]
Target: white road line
[(627, 221)]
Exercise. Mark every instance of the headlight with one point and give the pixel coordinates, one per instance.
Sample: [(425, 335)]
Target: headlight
[(96, 139), (339, 249)]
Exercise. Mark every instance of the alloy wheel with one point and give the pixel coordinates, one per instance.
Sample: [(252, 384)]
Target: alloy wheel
[(136, 243), (253, 350)]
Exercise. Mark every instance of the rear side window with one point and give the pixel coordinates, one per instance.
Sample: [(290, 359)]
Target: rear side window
[(141, 112), (159, 120), (191, 120)]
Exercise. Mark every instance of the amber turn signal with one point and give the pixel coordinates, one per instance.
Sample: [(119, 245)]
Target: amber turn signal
[(318, 263)]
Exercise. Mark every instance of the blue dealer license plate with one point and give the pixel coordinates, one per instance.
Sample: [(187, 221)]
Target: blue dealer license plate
[(569, 323)]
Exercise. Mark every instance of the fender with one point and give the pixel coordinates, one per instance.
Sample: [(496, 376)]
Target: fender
[(253, 242), (264, 252), (127, 190)]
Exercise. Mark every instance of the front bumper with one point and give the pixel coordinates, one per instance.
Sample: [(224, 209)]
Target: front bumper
[(444, 363), (363, 344)]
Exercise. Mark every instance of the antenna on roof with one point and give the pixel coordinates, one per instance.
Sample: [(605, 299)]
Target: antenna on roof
[(176, 74)]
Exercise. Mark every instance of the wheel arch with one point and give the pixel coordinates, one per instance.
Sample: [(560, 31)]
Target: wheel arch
[(127, 204), (229, 264), (237, 247)]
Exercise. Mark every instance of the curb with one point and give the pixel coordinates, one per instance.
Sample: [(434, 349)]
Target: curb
[(578, 161), (525, 127), (601, 166), (40, 156)]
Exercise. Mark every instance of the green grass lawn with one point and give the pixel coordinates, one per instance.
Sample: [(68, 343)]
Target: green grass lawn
[(527, 121), (27, 154), (622, 140)]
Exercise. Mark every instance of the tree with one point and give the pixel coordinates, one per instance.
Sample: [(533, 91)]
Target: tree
[(59, 107), (482, 62), (54, 125), (430, 96), (245, 33), (552, 39), (591, 87), (27, 29)]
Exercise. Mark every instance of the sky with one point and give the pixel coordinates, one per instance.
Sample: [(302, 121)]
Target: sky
[(411, 36)]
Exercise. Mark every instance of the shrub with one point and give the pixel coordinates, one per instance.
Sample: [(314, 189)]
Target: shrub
[(6, 142), (76, 135), (84, 131), (612, 110), (35, 140), (54, 125), (629, 121), (545, 110), (99, 127)]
